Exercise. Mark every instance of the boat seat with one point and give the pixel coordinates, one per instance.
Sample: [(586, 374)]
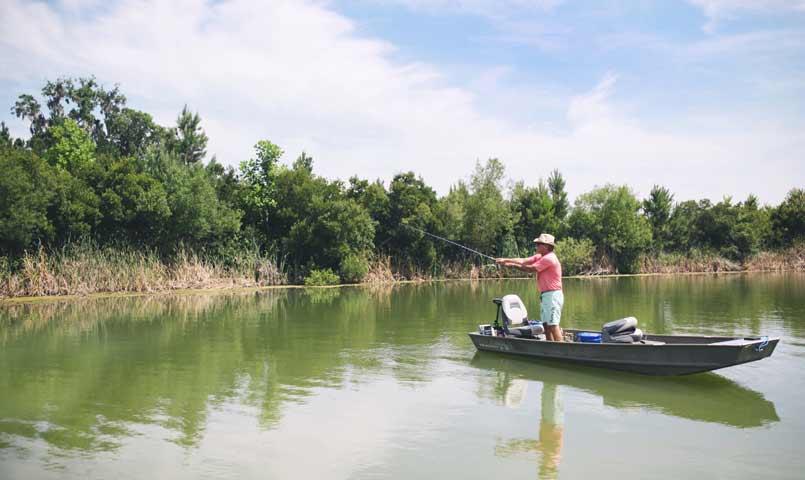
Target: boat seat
[(529, 330)]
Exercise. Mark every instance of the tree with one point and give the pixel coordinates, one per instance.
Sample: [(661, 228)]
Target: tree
[(535, 212), (258, 177), (134, 203), (191, 141), (733, 230), (72, 149), (561, 206), (610, 217), (788, 219), (451, 212), (657, 208), (198, 219), (5, 136), (316, 223), (411, 203), (487, 218), (91, 107), (682, 223), (132, 132), (26, 190), (372, 196)]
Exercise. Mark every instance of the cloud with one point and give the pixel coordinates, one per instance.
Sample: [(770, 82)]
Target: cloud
[(488, 8), (302, 76), (717, 10)]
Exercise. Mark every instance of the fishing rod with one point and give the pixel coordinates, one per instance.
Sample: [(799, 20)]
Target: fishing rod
[(451, 242)]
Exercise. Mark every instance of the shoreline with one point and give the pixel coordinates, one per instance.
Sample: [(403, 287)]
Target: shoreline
[(241, 289)]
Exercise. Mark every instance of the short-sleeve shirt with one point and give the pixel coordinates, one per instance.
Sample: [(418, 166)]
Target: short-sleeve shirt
[(549, 271)]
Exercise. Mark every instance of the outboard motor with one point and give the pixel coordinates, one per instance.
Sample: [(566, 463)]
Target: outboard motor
[(512, 312), (621, 331)]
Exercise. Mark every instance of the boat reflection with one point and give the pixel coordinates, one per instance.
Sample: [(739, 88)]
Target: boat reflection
[(706, 397)]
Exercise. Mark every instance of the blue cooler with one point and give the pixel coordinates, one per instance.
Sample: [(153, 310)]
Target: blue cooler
[(588, 337)]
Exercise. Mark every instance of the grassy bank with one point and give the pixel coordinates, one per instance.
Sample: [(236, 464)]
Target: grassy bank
[(82, 270), (85, 270)]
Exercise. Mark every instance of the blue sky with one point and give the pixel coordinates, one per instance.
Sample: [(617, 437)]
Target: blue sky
[(704, 96)]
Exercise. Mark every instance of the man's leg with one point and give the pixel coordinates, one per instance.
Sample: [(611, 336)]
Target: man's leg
[(551, 314)]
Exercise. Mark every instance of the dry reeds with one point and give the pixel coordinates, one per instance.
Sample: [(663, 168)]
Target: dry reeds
[(380, 271), (792, 258), (687, 263), (84, 269)]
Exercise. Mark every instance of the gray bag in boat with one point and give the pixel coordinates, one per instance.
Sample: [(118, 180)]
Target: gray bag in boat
[(621, 331)]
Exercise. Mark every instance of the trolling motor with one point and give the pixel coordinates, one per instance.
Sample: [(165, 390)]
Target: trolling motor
[(501, 331), (511, 319)]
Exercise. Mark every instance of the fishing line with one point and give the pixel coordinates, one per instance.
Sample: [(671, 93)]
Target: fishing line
[(450, 241)]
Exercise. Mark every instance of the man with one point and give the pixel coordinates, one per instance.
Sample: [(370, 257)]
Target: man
[(549, 281)]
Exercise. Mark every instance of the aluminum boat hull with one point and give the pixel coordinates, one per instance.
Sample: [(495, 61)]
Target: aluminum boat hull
[(677, 355)]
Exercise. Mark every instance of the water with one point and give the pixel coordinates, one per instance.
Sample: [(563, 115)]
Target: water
[(384, 383)]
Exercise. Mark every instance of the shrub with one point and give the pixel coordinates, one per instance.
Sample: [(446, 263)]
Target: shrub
[(576, 255), (321, 277), (354, 268)]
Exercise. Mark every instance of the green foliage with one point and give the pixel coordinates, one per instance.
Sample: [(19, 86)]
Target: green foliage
[(535, 212), (733, 230), (259, 177), (134, 204), (72, 149), (5, 136), (682, 226), (190, 142), (75, 208), (371, 196), (26, 189), (657, 208), (411, 202), (561, 206), (198, 219), (451, 211), (788, 219), (94, 169), (487, 217), (91, 107), (609, 216), (577, 256), (131, 133), (354, 268), (315, 222), (321, 277)]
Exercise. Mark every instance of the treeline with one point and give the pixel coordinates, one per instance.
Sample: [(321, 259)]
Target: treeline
[(99, 174)]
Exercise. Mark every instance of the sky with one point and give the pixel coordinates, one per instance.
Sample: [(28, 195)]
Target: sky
[(704, 97)]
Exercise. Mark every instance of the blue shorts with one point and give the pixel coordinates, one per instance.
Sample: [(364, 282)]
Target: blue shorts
[(550, 306)]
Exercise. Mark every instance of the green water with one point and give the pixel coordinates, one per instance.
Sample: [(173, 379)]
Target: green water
[(384, 383)]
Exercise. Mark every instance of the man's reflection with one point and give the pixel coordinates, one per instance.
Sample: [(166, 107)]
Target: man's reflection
[(548, 446)]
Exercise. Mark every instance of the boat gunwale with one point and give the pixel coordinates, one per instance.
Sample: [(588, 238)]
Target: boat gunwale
[(768, 339)]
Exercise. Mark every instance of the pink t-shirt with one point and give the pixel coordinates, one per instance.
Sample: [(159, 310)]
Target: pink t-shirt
[(549, 271)]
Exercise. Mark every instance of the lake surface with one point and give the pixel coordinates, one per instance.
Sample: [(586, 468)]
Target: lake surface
[(356, 383)]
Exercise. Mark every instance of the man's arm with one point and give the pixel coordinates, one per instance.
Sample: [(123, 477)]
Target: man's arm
[(523, 264)]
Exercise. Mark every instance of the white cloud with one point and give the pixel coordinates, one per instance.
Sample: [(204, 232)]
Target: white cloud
[(717, 10), (491, 8), (298, 74)]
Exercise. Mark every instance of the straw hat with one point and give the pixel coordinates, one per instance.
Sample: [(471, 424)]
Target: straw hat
[(545, 238)]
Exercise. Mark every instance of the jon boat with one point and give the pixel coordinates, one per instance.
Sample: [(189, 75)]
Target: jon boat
[(620, 345)]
